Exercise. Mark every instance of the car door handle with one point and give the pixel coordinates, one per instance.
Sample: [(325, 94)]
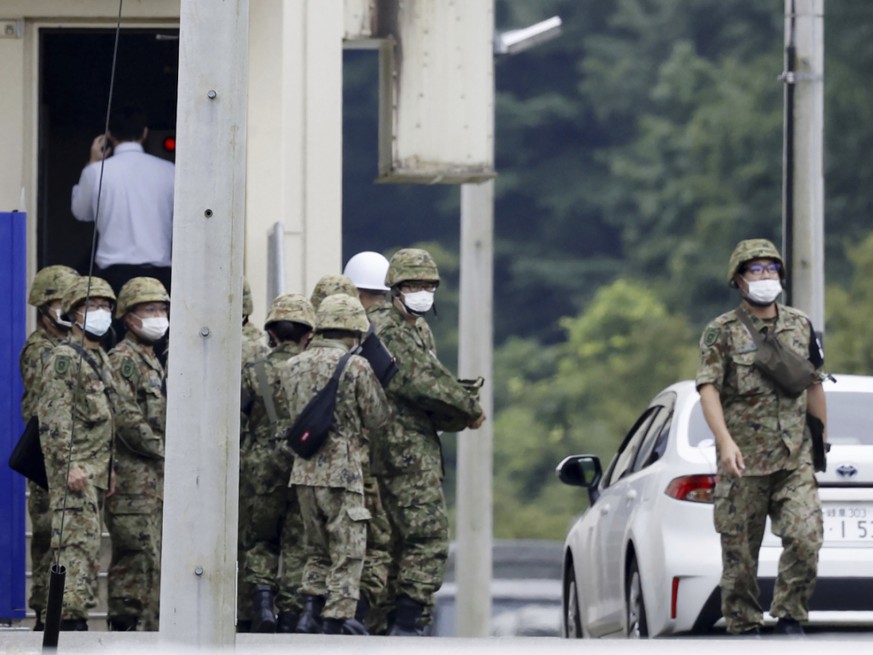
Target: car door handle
[(604, 510), (631, 495)]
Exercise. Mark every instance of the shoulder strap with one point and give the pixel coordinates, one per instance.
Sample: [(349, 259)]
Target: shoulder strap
[(745, 320), (75, 346), (266, 392), (341, 365)]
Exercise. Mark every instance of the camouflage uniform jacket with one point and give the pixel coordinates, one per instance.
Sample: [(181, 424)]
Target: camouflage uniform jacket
[(268, 460), (767, 425), (254, 343), (34, 355), (139, 452), (361, 406), (422, 390), (91, 421)]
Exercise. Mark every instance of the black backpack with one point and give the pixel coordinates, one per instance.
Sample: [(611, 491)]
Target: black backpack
[(309, 432)]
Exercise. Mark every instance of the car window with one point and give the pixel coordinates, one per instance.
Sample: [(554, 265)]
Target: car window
[(655, 443), (849, 417), (624, 458)]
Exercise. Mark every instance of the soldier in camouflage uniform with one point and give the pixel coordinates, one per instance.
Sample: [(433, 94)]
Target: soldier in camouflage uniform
[(135, 511), (330, 484), (46, 292), (254, 342), (271, 523), (367, 271), (426, 399), (328, 285), (79, 409), (254, 348), (764, 451)]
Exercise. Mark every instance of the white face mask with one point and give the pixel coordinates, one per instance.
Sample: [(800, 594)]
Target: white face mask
[(764, 292), (97, 321), (58, 320), (153, 327), (418, 302)]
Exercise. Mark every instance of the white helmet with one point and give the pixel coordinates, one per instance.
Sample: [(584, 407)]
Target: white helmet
[(367, 270)]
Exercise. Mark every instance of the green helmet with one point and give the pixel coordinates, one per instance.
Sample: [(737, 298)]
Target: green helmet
[(139, 290), (78, 291), (342, 312), (411, 264), (50, 283), (291, 307), (753, 249), (247, 305), (331, 284)]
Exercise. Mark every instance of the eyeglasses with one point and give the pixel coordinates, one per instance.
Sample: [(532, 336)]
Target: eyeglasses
[(93, 305), (412, 287), (757, 270)]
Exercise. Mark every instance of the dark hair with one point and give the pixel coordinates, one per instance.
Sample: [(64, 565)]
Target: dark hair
[(288, 330), (338, 334), (127, 123)]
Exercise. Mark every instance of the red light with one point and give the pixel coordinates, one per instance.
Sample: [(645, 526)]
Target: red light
[(674, 598), (693, 488), (170, 144)]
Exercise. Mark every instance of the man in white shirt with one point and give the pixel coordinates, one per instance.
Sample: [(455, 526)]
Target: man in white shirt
[(135, 221)]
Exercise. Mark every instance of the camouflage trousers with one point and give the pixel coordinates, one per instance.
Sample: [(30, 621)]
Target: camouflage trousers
[(419, 520), (272, 538), (79, 546), (377, 562), (134, 578), (790, 499), (335, 527), (39, 509)]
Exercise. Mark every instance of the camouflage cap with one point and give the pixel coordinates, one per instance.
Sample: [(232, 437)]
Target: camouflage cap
[(79, 290), (340, 311), (50, 283), (752, 249), (247, 305), (139, 290), (329, 285), (291, 307), (411, 264)]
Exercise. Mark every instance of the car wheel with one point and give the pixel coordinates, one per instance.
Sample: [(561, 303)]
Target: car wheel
[(637, 628), (572, 622)]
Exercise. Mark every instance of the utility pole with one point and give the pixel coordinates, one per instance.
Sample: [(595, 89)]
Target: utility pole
[(198, 593), (473, 561), (803, 200)]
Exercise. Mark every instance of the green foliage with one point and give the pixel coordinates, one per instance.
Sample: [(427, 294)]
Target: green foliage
[(848, 344)]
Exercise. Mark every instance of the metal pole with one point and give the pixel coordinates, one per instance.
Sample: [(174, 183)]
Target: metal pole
[(476, 343), (202, 453), (806, 254)]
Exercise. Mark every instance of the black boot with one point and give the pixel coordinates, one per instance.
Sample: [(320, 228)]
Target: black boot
[(287, 621), (122, 623), (354, 627), (332, 626), (262, 607), (362, 609), (38, 625), (406, 616), (310, 617), (77, 625)]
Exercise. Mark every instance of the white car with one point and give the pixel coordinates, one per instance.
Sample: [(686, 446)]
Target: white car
[(644, 559)]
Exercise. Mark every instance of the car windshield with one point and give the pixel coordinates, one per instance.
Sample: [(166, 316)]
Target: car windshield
[(849, 421)]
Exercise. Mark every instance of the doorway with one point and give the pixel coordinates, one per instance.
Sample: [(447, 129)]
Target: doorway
[(75, 69)]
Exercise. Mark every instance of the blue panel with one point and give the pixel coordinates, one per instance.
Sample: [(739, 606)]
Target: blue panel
[(13, 259)]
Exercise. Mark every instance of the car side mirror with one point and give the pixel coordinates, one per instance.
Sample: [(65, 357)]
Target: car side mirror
[(580, 471)]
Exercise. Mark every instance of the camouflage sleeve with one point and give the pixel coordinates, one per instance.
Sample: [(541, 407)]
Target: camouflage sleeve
[(31, 365), (131, 427), (371, 399), (55, 411), (713, 353), (423, 381)]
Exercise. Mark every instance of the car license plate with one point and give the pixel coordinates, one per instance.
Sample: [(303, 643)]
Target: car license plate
[(848, 522)]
